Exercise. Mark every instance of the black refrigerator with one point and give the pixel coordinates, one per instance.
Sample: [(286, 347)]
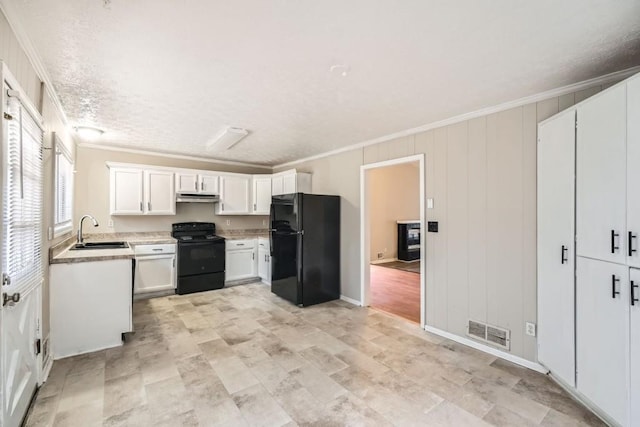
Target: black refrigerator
[(305, 248)]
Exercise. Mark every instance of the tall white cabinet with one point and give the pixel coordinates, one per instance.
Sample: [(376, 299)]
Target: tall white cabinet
[(599, 293)]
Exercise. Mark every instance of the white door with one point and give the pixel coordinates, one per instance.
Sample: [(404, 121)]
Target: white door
[(633, 173), (159, 193), (602, 335), (186, 182), (234, 195), (556, 256), (261, 195), (126, 191), (277, 185), (601, 176), (240, 264), (289, 184), (209, 184), (635, 346), (154, 273)]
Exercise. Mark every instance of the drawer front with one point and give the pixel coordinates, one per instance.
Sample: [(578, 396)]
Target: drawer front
[(154, 249), (240, 244), (263, 242)]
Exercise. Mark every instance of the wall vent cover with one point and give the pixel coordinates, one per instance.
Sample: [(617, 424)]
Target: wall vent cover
[(489, 334)]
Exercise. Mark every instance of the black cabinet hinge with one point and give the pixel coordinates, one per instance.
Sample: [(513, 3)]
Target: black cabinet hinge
[(8, 116)]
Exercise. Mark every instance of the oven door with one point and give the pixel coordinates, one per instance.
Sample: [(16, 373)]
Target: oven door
[(200, 258)]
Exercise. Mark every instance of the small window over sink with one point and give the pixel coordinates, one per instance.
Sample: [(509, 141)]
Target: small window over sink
[(63, 191)]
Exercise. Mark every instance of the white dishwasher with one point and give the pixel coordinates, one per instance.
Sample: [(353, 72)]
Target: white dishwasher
[(155, 268)]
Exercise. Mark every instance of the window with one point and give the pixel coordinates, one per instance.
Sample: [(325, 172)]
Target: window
[(63, 191), (22, 210)]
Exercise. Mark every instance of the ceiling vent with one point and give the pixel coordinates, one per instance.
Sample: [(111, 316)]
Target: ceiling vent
[(489, 334), (228, 138)]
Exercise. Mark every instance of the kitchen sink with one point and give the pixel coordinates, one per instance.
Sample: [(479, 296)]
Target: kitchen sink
[(100, 245)]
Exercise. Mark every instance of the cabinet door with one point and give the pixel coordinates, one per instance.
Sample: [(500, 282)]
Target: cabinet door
[(289, 184), (160, 195), (154, 273), (263, 264), (602, 335), (186, 182), (261, 195), (277, 185), (234, 195), (240, 264), (601, 177), (209, 184), (126, 191), (556, 256), (633, 173), (635, 346)]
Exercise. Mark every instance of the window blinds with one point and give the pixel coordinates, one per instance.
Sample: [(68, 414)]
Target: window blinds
[(22, 204), (63, 187)]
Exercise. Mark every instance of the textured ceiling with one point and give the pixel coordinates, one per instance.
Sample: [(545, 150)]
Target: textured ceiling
[(168, 75)]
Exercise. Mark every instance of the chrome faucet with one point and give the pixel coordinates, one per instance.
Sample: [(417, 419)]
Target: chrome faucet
[(95, 224)]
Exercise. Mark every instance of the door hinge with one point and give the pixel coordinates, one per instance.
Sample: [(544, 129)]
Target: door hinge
[(6, 279), (8, 116), (38, 347)]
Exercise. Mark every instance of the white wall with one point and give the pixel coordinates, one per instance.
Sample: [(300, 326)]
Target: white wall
[(481, 174), (394, 195)]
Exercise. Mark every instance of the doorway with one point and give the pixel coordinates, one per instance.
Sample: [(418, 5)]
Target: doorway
[(393, 277)]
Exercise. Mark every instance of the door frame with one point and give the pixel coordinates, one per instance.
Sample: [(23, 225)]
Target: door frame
[(365, 231)]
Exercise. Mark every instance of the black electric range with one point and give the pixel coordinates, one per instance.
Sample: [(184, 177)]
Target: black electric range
[(200, 257)]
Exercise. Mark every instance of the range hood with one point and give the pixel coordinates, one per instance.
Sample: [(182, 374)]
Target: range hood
[(197, 198)]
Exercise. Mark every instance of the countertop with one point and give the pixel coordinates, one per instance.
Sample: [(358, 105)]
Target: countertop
[(239, 236), (62, 253)]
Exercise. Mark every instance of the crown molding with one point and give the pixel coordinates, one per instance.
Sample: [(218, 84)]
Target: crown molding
[(173, 156), (8, 9), (575, 87)]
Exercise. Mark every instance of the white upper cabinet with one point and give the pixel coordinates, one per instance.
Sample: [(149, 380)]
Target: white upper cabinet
[(189, 182), (234, 195), (290, 182), (136, 191), (186, 182), (633, 172), (601, 176), (209, 184), (159, 193), (126, 191), (261, 194), (556, 255)]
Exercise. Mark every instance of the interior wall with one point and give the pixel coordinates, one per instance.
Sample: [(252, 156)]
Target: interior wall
[(394, 195), (92, 194), (481, 173)]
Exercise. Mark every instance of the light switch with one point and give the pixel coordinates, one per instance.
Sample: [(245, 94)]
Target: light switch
[(429, 203)]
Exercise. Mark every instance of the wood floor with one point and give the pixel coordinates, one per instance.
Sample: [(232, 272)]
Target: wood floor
[(395, 291)]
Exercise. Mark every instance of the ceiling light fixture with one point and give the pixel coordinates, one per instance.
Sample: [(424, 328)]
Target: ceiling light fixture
[(228, 138), (88, 132)]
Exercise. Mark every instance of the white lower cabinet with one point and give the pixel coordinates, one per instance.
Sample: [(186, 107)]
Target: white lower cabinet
[(602, 335), (241, 260), (264, 260), (634, 329), (90, 306), (155, 268)]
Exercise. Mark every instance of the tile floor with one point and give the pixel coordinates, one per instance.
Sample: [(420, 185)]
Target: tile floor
[(242, 356)]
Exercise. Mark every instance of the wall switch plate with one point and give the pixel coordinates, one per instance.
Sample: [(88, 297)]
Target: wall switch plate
[(530, 329), (380, 255), (429, 203), (432, 226), (110, 223)]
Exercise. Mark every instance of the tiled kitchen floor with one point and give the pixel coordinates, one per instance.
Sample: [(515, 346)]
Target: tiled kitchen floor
[(242, 356)]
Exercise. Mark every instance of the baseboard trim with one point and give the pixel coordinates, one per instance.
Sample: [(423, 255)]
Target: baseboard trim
[(487, 349), (350, 300), (383, 260), (46, 370)]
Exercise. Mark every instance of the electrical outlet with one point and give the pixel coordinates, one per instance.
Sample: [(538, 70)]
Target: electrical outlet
[(380, 255), (110, 223), (530, 329), (228, 222)]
